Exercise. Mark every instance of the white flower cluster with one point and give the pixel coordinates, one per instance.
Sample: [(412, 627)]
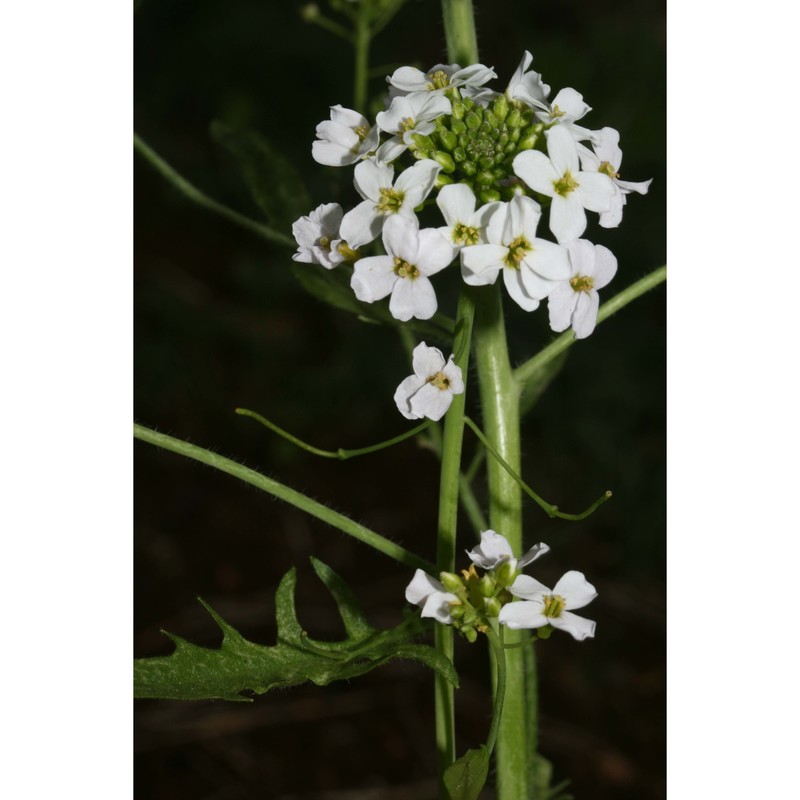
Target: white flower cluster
[(494, 162), (469, 601)]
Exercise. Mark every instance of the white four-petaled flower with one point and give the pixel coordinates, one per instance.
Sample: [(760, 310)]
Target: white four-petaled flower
[(541, 606), (429, 391), (575, 301), (465, 226), (558, 175), (345, 138), (527, 86), (318, 236), (412, 256), (383, 199), (407, 116), (531, 267), (606, 159), (431, 596), (409, 80), (495, 550), (568, 106)]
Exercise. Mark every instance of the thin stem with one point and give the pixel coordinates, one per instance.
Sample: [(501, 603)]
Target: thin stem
[(472, 508), (525, 371), (499, 653), (361, 74), (333, 27), (446, 534), (341, 453), (191, 192), (475, 464), (459, 29), (291, 496), (552, 511), (500, 395), (388, 15)]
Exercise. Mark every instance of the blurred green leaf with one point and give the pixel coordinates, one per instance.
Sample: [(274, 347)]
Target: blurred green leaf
[(200, 673), (465, 777), (274, 183), (332, 286), (538, 383), (543, 777)]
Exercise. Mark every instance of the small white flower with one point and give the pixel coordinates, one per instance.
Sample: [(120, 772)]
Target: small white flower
[(575, 301), (558, 175), (495, 550), (413, 256), (431, 596), (408, 80), (382, 199), (606, 159), (566, 109), (542, 606), (531, 267), (465, 226), (528, 87), (318, 236), (345, 138), (406, 117), (429, 391)]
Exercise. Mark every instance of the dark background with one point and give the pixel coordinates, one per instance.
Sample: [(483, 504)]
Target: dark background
[(220, 322)]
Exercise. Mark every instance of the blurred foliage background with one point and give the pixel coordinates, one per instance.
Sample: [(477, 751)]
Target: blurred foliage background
[(220, 322)]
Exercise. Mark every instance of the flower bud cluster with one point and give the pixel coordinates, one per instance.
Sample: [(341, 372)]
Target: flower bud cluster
[(471, 602)]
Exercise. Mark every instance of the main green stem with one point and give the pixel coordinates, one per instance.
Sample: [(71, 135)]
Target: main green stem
[(449, 480), (361, 43), (500, 394), (459, 30)]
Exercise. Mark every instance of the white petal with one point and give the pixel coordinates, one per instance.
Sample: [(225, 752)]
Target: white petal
[(405, 391), (401, 237), (584, 318), (427, 361), (409, 79), (571, 103), (516, 290), (456, 201), (605, 266), (567, 217), (595, 190), (435, 252), (390, 150), (481, 263), (338, 134), (348, 117), (528, 588), (453, 374), (560, 305), (641, 187), (332, 154), (431, 402), (361, 224), (438, 606), (549, 260), (421, 586), (613, 217), (434, 105), (369, 177), (391, 120), (527, 614), (575, 589), (492, 551), (373, 278), (579, 627), (413, 298), (474, 75), (417, 181), (562, 150), (536, 169), (329, 216), (606, 146), (582, 257), (535, 552)]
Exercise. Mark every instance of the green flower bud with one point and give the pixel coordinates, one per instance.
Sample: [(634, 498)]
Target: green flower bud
[(505, 573), (451, 581), (443, 179), (458, 127), (456, 612), (459, 154), (469, 103), (488, 585), (514, 118), (469, 168), (490, 119), (472, 121), (444, 160), (484, 178), (492, 606), (489, 195), (448, 139), (500, 107), (544, 632), (470, 634), (458, 109), (529, 139)]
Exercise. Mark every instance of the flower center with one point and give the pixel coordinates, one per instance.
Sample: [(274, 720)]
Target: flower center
[(438, 80), (407, 124), (556, 112), (582, 283), (565, 184), (325, 242), (465, 234), (347, 252), (361, 131), (517, 250), (405, 270), (607, 169), (391, 200), (553, 605), (440, 381)]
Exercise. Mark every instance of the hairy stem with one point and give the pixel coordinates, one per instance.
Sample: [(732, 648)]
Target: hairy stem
[(289, 495), (459, 29), (450, 477)]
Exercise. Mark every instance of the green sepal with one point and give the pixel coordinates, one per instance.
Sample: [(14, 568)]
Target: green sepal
[(192, 672), (466, 776), (274, 183)]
